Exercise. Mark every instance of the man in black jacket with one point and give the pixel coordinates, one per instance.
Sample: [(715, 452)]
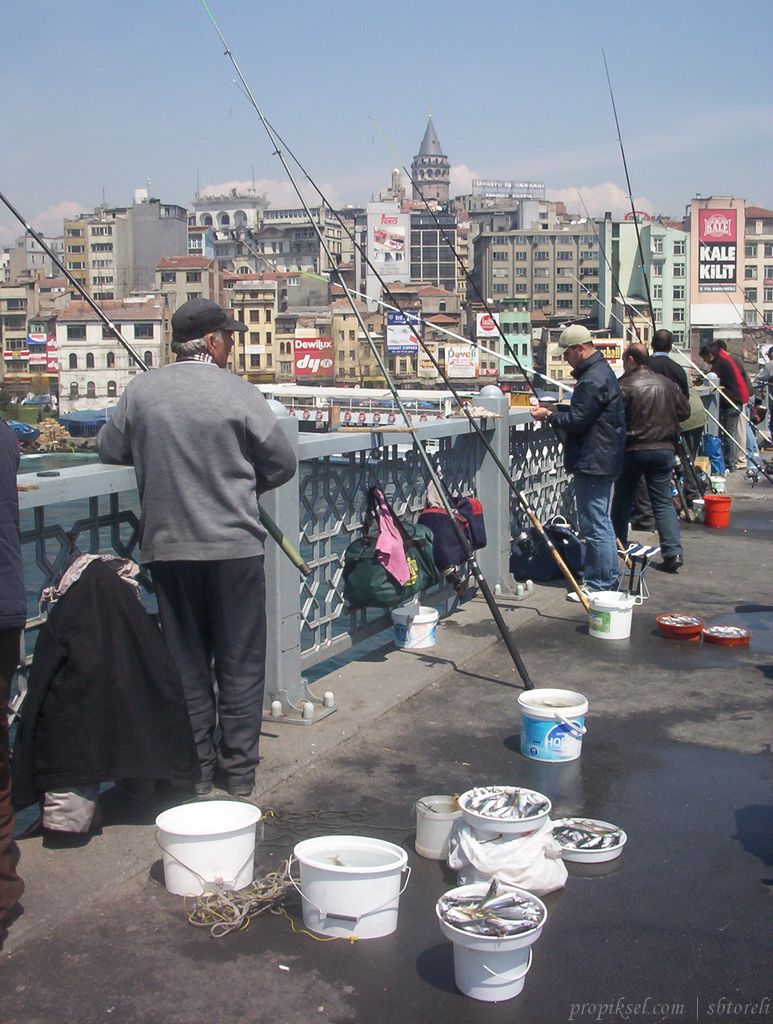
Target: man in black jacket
[(594, 431), (661, 361), (654, 406), (13, 615)]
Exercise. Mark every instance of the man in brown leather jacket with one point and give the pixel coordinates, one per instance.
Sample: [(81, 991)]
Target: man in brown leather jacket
[(654, 405)]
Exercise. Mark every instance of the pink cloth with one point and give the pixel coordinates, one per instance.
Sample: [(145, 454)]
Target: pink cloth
[(390, 547)]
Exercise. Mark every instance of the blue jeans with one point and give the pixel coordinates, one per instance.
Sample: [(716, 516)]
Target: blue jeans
[(601, 566), (657, 468)]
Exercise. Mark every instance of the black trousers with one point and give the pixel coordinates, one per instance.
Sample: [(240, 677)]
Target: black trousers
[(11, 886), (216, 611)]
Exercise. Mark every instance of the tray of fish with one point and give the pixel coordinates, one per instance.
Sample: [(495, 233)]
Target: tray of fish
[(588, 840), (491, 916), (504, 809)]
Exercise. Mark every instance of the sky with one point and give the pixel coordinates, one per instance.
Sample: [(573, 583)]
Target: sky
[(102, 97)]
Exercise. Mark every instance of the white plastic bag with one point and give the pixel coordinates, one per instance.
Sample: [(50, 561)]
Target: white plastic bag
[(532, 862)]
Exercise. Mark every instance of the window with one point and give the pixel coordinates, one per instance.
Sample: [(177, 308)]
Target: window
[(750, 273), (72, 361), (91, 389), (143, 331), (76, 248), (104, 230), (656, 246), (542, 255), (564, 304), (678, 316), (147, 358), (541, 287), (564, 254), (74, 389), (101, 246), (89, 360), (112, 389), (678, 291), (74, 233), (767, 294), (767, 271), (192, 276), (679, 270), (768, 316), (254, 338), (268, 337), (254, 316), (750, 250), (521, 272), (501, 289), (521, 257), (521, 288), (76, 332), (657, 291), (269, 360), (254, 361), (541, 272), (657, 269), (768, 250), (268, 316), (750, 294), (564, 287), (500, 256), (751, 317), (110, 360), (679, 247), (168, 277), (351, 335), (677, 337)]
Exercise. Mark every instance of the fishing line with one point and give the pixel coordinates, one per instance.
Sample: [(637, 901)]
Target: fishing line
[(466, 547)]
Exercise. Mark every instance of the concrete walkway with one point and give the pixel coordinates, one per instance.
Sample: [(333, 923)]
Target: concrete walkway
[(678, 753)]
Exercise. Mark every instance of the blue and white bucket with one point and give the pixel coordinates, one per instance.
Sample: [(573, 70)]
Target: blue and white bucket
[(552, 724), (415, 626)]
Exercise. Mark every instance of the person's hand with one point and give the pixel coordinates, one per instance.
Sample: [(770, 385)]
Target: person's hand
[(539, 413)]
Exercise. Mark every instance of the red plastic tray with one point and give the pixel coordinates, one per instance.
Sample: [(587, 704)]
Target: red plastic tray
[(680, 626), (727, 636)]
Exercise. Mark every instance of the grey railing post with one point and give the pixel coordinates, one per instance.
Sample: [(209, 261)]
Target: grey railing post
[(283, 613), (711, 401), (492, 489)]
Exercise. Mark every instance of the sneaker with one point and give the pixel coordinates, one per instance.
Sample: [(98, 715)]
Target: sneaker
[(203, 788), (574, 596)]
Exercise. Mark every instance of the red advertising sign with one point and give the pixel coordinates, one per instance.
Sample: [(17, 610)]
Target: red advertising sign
[(717, 250), (314, 357), (52, 356)]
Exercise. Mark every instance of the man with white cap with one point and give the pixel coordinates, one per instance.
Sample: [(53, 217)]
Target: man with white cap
[(205, 445), (593, 431)]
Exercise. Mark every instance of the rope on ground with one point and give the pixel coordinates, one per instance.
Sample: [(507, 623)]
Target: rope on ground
[(225, 910)]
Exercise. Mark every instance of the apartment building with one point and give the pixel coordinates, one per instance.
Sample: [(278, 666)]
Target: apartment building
[(181, 278), (354, 359), (256, 353), (758, 267), (554, 269), (94, 367)]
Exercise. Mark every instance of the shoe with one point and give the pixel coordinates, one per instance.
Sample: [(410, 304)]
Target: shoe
[(203, 788), (672, 564), (642, 524), (238, 788), (574, 596)]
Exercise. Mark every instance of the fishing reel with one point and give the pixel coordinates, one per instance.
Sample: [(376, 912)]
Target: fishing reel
[(457, 579)]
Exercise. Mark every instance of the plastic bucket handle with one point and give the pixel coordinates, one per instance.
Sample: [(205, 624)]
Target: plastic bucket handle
[(343, 917), (504, 977), (573, 727), (225, 883)]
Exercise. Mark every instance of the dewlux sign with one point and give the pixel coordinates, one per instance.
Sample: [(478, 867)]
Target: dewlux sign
[(717, 250), (314, 357)]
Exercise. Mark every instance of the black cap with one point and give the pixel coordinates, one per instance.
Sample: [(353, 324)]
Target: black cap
[(198, 317)]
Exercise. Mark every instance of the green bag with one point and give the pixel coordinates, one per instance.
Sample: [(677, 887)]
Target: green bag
[(367, 584)]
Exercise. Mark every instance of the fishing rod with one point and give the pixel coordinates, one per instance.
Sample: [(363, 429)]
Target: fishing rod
[(630, 194), (431, 472), (514, 489), (269, 524)]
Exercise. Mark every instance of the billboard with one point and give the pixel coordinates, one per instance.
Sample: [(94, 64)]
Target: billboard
[(314, 357), (461, 361), (487, 325), (400, 337), (52, 355), (388, 243), (717, 250)]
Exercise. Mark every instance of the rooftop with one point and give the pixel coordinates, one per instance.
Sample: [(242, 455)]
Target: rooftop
[(677, 753)]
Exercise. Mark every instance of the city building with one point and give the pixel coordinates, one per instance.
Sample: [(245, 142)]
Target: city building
[(181, 278), (256, 354), (717, 270), (758, 268), (430, 169), (27, 260), (94, 367)]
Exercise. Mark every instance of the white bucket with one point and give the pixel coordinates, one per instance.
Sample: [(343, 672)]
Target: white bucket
[(350, 885), (610, 614), (207, 842), (698, 509), (552, 724), (435, 817), (487, 967), (415, 626), (717, 484)]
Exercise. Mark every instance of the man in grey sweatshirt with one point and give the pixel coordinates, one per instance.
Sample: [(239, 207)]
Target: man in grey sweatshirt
[(205, 445)]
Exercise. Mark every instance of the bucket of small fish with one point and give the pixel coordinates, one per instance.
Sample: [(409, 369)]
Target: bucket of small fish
[(504, 809), (492, 928), (588, 840)]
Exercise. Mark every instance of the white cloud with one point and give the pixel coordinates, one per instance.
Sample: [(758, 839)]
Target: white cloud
[(461, 179), (47, 223), (281, 194), (598, 199)]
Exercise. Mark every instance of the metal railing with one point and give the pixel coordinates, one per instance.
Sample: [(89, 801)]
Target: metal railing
[(91, 508)]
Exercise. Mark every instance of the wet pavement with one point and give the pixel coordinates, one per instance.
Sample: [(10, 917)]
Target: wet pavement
[(678, 753)]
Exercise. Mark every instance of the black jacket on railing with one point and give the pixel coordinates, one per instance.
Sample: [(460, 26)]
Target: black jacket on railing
[(104, 700), (593, 428)]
